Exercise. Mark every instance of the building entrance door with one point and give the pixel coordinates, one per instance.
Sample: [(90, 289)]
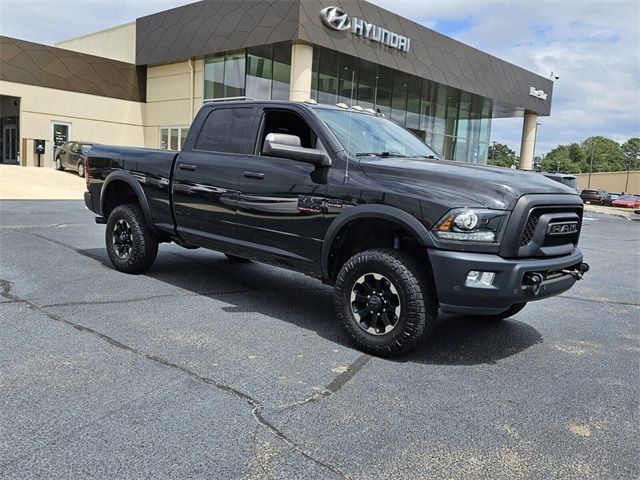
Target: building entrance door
[(9, 143), (61, 135)]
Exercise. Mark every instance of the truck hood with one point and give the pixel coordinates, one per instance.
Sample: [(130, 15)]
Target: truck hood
[(493, 187)]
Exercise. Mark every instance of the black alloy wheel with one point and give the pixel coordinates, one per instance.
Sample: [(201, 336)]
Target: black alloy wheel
[(132, 245), (375, 303), (122, 239)]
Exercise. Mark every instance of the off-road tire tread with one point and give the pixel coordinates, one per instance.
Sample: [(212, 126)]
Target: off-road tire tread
[(412, 276), (145, 244)]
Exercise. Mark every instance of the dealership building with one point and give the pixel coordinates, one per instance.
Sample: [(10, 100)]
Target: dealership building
[(140, 84)]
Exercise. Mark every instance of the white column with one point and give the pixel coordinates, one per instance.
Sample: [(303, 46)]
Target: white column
[(301, 72), (528, 145)]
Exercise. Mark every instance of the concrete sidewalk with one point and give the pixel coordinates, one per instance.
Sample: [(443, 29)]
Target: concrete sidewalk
[(33, 183), (627, 213)]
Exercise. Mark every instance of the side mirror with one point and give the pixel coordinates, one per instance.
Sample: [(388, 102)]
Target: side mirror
[(288, 146)]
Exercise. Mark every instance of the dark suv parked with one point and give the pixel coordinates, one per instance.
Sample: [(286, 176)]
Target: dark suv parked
[(352, 199), (597, 197)]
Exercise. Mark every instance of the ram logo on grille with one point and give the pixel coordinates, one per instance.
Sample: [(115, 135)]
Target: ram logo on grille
[(562, 228)]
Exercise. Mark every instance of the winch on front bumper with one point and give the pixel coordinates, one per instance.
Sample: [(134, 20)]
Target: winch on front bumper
[(480, 283)]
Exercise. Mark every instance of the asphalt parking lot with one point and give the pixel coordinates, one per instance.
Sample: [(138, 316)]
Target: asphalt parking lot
[(206, 368)]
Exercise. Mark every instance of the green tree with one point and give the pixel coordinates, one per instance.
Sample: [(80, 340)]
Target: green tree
[(501, 155), (631, 149), (607, 154)]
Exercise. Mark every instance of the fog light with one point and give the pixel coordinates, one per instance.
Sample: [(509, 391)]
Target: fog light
[(479, 279)]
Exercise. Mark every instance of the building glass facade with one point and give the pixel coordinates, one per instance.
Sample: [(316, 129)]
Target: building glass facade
[(261, 73), (454, 123)]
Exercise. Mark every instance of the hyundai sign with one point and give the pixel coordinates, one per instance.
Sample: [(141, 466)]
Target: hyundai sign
[(337, 19)]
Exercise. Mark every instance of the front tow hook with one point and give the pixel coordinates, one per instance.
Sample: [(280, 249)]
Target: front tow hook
[(535, 279), (579, 272)]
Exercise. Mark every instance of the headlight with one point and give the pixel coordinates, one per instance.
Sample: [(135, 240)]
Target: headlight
[(470, 225)]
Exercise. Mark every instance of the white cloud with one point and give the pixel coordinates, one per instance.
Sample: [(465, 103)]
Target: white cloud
[(593, 45)]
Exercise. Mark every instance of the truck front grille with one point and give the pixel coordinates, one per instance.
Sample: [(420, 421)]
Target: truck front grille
[(533, 220), (530, 227)]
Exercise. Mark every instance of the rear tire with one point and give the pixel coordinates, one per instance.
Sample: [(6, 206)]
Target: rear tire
[(59, 164), (81, 169), (236, 259), (131, 244), (510, 312), (405, 305)]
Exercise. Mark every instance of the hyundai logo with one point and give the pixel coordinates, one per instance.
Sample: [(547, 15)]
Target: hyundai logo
[(335, 18), (563, 228)]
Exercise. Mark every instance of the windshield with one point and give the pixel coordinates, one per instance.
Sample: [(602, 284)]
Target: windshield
[(372, 135), (627, 197)]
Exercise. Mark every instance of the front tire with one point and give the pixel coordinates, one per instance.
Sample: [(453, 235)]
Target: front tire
[(386, 301), (59, 164), (131, 244)]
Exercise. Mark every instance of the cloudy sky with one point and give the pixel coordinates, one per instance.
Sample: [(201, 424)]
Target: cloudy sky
[(594, 46)]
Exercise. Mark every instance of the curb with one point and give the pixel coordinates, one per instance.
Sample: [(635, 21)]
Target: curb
[(632, 215)]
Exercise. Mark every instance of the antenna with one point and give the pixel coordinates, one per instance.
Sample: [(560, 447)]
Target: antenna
[(346, 170)]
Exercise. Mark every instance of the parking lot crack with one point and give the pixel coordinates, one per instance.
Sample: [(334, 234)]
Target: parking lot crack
[(256, 406), (602, 301), (335, 385)]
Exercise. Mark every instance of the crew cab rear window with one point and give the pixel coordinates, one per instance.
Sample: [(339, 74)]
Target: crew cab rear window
[(226, 130)]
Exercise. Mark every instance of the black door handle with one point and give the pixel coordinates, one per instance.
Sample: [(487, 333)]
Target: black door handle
[(257, 175), (186, 166)]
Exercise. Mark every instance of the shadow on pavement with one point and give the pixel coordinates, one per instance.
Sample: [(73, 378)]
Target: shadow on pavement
[(306, 303)]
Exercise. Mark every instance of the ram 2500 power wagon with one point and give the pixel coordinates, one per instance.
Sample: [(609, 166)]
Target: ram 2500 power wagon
[(352, 199)]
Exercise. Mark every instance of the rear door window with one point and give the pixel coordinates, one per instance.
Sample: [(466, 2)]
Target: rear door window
[(226, 130)]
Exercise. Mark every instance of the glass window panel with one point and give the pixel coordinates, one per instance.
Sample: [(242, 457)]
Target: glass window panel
[(328, 66), (213, 77), (348, 79), (164, 138), (414, 94), (220, 130), (259, 72), (173, 139), (436, 142), (464, 127), (399, 99), (281, 71), (234, 70), (183, 136), (367, 76), (383, 92), (314, 72)]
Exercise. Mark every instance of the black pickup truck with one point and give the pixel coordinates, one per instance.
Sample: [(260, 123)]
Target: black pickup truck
[(351, 198)]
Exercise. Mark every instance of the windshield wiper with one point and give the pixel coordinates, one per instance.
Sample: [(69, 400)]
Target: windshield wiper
[(379, 154), (430, 156)]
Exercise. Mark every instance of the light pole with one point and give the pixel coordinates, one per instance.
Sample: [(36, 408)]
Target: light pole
[(591, 167), (626, 185)]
